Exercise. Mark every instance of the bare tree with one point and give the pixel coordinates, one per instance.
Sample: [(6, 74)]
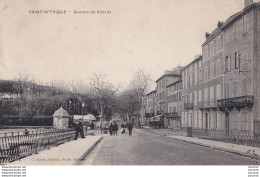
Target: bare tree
[(140, 85), (21, 85), (103, 90)]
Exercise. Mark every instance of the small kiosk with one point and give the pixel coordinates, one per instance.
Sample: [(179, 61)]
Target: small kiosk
[(61, 119)]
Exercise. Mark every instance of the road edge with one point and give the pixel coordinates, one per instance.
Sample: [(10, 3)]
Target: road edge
[(218, 148), (88, 151)]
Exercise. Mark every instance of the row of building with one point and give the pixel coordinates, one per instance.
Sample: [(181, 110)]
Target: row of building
[(218, 90)]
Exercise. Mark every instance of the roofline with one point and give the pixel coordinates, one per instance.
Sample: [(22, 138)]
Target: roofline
[(177, 75), (173, 83), (195, 60), (227, 24), (154, 91)]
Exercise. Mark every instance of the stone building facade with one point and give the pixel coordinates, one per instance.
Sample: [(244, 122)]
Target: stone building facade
[(151, 104), (191, 84), (162, 93), (240, 104), (220, 89), (173, 115)]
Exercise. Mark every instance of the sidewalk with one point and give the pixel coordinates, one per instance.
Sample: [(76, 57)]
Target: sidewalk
[(248, 151), (69, 153)]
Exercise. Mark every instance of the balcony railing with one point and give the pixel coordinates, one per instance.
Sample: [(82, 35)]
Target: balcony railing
[(149, 114), (207, 104), (172, 115), (188, 105), (243, 101)]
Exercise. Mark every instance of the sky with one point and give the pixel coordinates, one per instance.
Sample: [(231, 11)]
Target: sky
[(154, 35)]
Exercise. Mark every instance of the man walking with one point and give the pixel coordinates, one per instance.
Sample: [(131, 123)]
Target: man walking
[(111, 129), (130, 127), (115, 128)]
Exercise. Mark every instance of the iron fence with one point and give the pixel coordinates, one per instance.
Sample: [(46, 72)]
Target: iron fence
[(20, 145), (232, 136)]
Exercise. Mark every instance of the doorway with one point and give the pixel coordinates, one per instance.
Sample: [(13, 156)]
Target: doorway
[(227, 122), (206, 120)]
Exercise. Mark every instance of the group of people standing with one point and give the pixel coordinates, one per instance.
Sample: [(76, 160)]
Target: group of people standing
[(79, 129), (127, 125), (113, 128)]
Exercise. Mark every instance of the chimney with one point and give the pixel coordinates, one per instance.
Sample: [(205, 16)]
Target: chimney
[(248, 2)]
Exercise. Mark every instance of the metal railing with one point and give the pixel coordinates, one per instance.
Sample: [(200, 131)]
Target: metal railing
[(236, 102), (20, 145), (233, 136), (149, 114), (212, 103), (188, 105), (172, 115)]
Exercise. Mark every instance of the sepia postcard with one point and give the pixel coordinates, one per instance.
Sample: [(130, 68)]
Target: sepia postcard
[(165, 83)]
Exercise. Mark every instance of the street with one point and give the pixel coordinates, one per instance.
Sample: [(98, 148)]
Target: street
[(147, 147)]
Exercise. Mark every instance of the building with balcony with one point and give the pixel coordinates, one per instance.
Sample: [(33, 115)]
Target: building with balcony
[(173, 115), (162, 93), (240, 104), (220, 89), (230, 68), (191, 84), (150, 110)]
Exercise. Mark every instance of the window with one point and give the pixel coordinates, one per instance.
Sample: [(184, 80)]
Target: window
[(206, 95), (212, 70), (221, 42), (227, 64), (190, 98), (215, 46), (219, 67), (212, 48), (211, 95), (218, 92), (206, 73), (200, 96), (195, 77), (190, 80), (236, 59), (244, 25), (195, 98), (244, 58), (200, 75)]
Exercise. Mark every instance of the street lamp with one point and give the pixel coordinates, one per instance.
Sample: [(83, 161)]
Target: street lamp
[(83, 105)]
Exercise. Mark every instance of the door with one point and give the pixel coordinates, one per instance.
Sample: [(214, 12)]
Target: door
[(227, 122), (206, 121)]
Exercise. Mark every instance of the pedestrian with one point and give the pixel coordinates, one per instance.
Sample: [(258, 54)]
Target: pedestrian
[(122, 128), (115, 128), (77, 129), (130, 127), (92, 125), (111, 129), (81, 129)]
